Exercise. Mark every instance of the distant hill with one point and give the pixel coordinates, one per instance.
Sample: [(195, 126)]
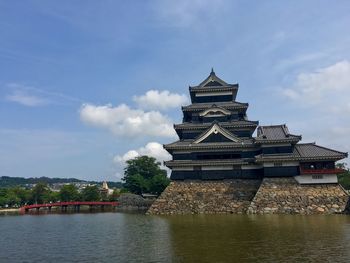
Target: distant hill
[(6, 181)]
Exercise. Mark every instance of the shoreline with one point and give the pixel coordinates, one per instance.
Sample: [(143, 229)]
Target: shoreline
[(9, 210)]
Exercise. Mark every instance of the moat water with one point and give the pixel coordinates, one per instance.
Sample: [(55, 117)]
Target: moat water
[(126, 237)]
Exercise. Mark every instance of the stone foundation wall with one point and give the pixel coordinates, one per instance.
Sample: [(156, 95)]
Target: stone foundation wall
[(271, 196), (286, 196), (208, 197)]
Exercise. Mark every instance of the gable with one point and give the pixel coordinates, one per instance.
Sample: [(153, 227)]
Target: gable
[(213, 83), (215, 111), (212, 80), (216, 137), (216, 134)]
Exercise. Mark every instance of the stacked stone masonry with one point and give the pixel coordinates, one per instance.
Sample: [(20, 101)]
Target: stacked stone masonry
[(286, 196), (206, 197), (271, 196)]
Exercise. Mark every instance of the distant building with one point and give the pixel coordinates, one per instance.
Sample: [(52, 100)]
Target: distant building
[(105, 189)]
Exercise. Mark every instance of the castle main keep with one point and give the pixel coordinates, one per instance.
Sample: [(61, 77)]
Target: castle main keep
[(218, 166)]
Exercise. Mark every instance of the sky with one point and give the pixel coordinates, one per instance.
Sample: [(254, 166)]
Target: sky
[(87, 85)]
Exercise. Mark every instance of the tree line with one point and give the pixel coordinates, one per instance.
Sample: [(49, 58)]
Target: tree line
[(41, 193), (7, 181), (142, 174)]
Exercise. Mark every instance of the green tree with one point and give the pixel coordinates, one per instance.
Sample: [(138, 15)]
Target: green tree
[(114, 196), (158, 183), (54, 196), (3, 197), (91, 193), (344, 178), (40, 193), (12, 198), (69, 192), (143, 174), (22, 194), (104, 196)]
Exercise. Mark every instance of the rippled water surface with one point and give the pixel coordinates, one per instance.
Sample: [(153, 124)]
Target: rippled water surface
[(122, 237)]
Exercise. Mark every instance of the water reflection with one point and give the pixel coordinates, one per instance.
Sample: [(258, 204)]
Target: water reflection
[(125, 237), (259, 238)]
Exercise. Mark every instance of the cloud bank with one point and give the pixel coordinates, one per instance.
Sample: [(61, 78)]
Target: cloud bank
[(153, 149), (161, 100), (326, 86), (126, 122), (323, 97)]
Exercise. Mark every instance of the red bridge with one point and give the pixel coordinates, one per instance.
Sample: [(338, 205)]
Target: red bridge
[(64, 205)]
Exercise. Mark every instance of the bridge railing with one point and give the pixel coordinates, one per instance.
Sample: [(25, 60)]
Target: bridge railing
[(73, 203)]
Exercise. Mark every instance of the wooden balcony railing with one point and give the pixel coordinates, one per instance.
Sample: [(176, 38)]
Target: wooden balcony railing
[(321, 171)]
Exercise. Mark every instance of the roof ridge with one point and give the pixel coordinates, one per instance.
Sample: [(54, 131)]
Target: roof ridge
[(275, 125), (285, 130), (296, 148), (326, 148), (211, 78), (303, 143)]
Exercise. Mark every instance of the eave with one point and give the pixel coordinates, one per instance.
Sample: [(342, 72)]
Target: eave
[(201, 126), (262, 159), (212, 146), (286, 140), (203, 106), (233, 87), (186, 163)]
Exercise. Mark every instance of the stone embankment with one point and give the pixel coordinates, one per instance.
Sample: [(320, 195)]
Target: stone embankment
[(286, 196), (206, 197), (129, 201), (271, 196)]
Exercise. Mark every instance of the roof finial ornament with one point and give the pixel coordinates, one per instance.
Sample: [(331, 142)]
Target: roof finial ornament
[(212, 71)]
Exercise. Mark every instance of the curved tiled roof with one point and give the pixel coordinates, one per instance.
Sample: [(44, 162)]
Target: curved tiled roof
[(313, 150), (305, 152), (275, 133), (213, 82)]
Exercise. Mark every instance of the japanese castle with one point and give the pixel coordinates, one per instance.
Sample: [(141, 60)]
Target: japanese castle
[(216, 142)]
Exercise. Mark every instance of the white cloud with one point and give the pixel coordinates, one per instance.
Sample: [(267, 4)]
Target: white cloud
[(32, 96), (326, 86), (162, 100), (153, 149), (127, 122), (26, 99), (321, 104)]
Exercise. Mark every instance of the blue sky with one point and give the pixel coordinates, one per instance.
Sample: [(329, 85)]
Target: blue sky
[(85, 85)]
